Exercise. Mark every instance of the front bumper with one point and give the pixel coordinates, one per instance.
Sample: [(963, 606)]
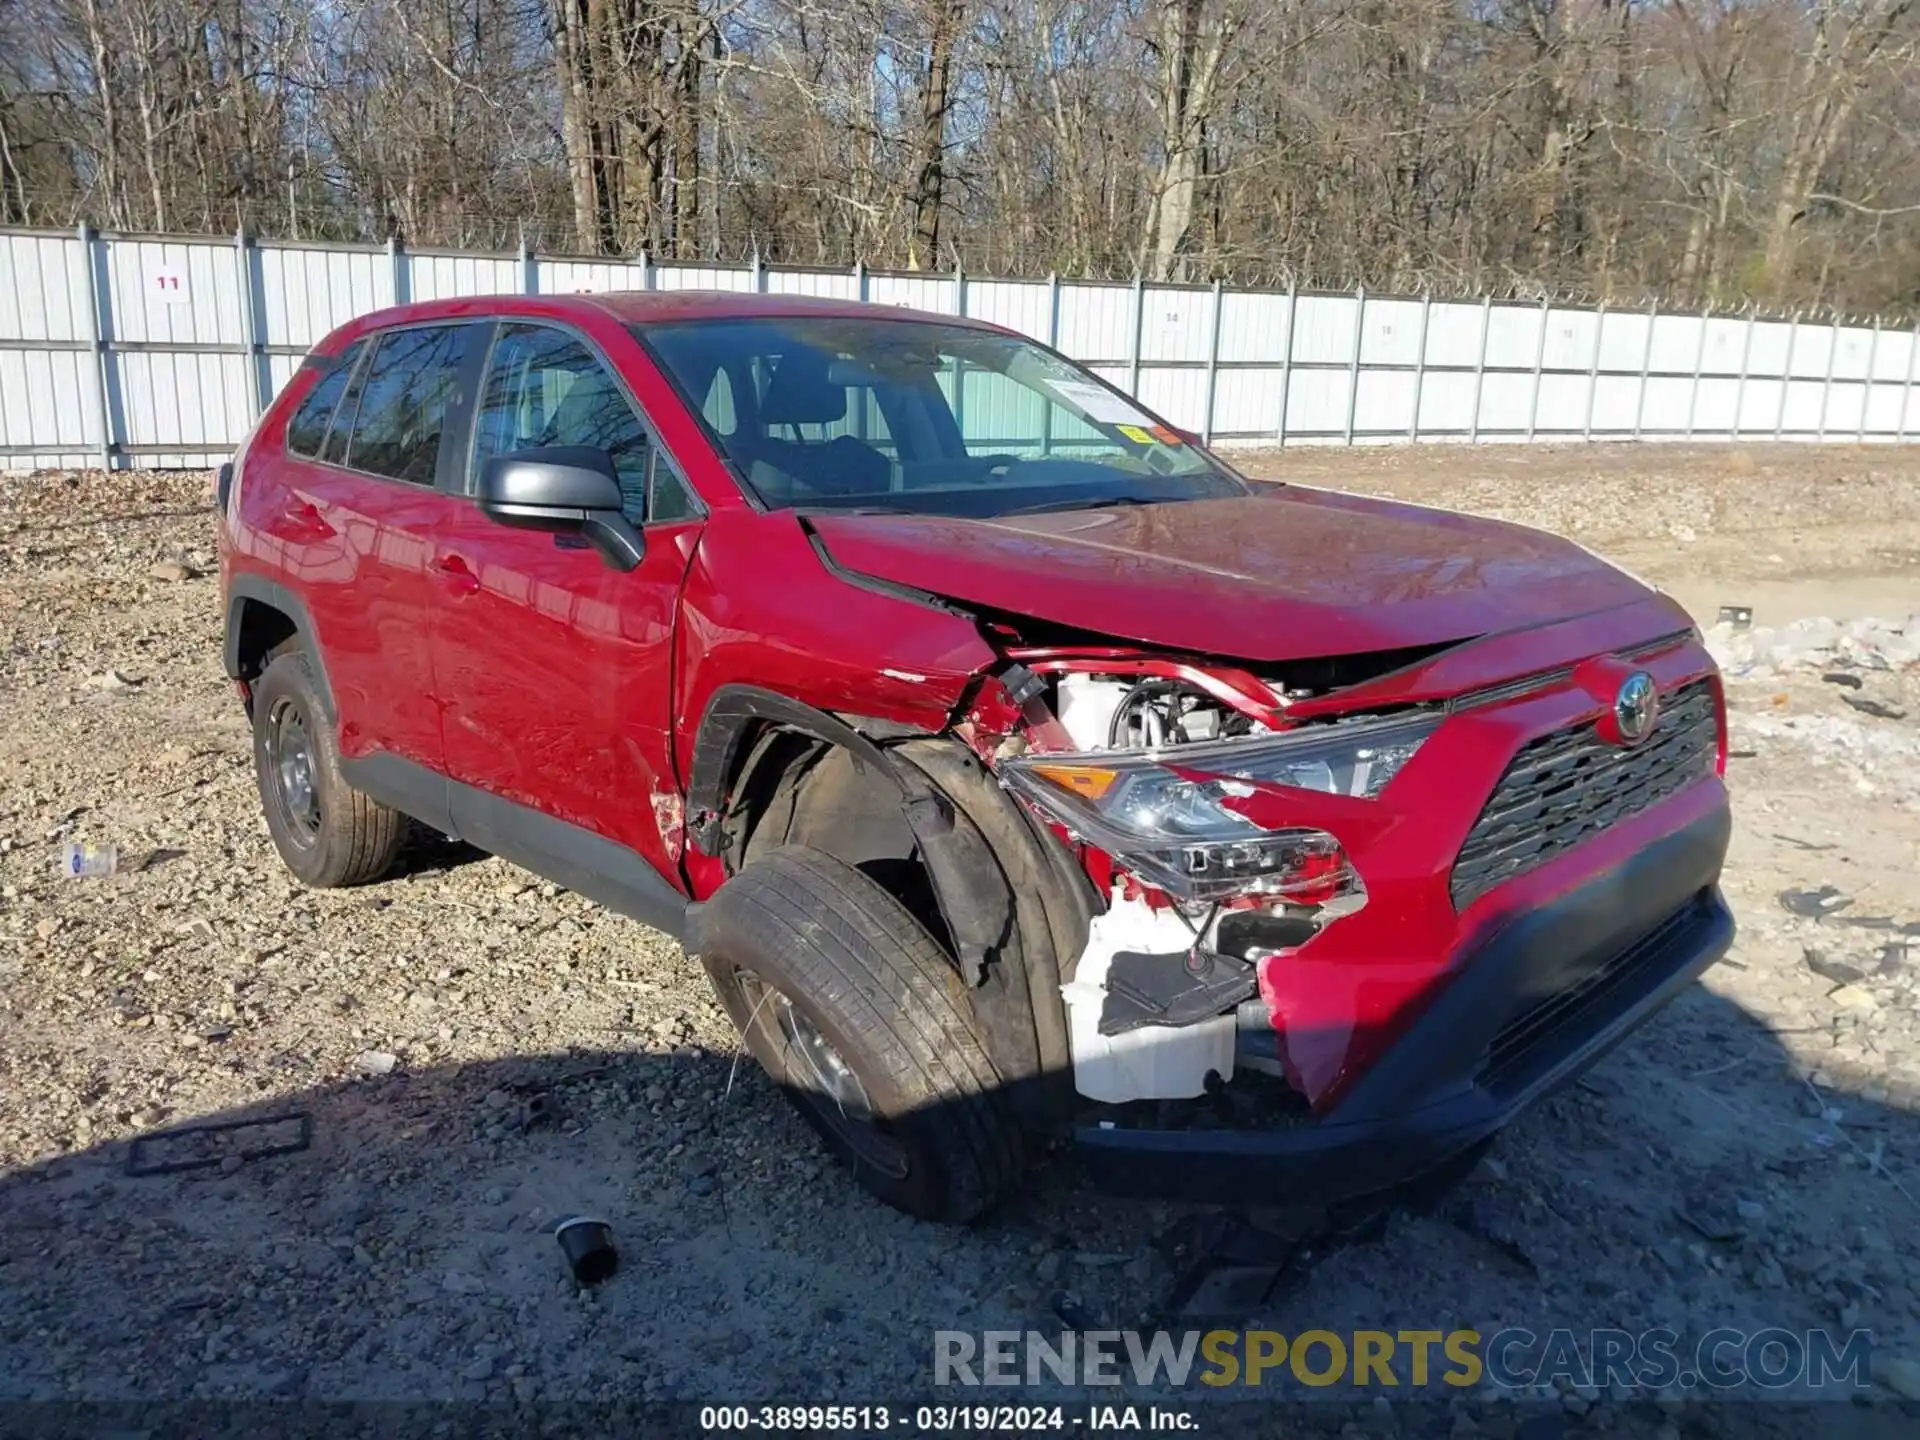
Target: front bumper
[(1538, 1002)]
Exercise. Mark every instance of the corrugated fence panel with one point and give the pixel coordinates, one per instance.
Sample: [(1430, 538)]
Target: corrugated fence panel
[(1323, 330), (304, 294), (1513, 337), (43, 288), (587, 277), (195, 333), (445, 277), (1096, 323), (1176, 323), (1017, 304), (702, 277), (833, 285), (1253, 328), (1453, 335), (917, 292), (163, 293), (44, 417)]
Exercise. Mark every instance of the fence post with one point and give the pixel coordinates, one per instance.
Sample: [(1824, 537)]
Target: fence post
[(1213, 366), (1419, 368), (1593, 369), (1826, 386), (1740, 385), (1286, 362), (397, 266), (102, 404), (1906, 393), (529, 276), (1480, 369), (1353, 365), (959, 291), (257, 376), (648, 280), (1699, 364), (1539, 370), (1646, 371), (1053, 343), (1866, 394), (759, 273), (1139, 339), (1786, 377), (860, 281)]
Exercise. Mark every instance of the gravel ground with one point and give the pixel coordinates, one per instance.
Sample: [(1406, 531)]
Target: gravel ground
[(481, 1054)]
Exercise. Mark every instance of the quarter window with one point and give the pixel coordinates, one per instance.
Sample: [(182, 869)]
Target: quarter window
[(307, 430), (410, 386)]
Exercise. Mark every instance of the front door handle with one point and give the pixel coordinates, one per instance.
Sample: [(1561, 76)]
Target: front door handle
[(452, 571)]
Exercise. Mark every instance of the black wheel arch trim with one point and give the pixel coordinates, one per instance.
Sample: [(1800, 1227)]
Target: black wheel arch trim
[(246, 589)]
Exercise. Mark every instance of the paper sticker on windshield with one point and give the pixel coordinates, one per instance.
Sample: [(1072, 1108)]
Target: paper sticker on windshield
[(1166, 435), (1098, 403), (1139, 434)]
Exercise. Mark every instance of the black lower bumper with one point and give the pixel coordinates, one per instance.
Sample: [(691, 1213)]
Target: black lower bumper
[(1543, 999)]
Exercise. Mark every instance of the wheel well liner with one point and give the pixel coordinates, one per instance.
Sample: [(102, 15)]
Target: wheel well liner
[(1014, 910)]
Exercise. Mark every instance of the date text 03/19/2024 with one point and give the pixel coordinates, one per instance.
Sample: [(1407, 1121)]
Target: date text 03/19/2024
[(943, 1419)]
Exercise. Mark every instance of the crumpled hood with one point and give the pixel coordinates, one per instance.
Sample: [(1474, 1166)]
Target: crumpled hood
[(1288, 573)]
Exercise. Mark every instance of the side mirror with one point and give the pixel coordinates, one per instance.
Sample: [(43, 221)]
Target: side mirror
[(564, 490)]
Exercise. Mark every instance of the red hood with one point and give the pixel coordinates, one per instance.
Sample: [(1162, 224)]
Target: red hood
[(1286, 574)]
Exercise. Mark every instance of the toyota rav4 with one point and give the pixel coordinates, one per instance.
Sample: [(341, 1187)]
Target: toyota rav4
[(1014, 768)]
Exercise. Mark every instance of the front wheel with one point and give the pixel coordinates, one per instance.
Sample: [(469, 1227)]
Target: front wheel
[(851, 1007)]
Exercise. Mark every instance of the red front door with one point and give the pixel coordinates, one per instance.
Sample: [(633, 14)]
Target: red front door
[(553, 669)]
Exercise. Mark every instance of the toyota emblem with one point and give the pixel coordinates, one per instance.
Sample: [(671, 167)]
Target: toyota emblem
[(1636, 707)]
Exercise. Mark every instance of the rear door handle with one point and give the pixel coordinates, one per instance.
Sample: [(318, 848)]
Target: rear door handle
[(301, 520), (453, 573)]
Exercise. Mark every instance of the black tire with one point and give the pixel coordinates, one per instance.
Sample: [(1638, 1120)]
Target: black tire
[(798, 932), (341, 837)]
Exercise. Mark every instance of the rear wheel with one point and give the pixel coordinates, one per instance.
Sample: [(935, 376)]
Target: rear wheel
[(327, 832), (854, 1011)]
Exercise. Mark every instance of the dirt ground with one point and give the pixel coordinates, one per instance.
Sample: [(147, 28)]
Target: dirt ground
[(1752, 1159)]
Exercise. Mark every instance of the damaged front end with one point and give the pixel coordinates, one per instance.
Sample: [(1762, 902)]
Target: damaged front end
[(1276, 979), (1199, 811)]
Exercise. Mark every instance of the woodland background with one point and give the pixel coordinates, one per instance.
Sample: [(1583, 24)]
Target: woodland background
[(1708, 152)]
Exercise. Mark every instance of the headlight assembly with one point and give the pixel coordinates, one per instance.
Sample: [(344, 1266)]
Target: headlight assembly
[(1175, 832)]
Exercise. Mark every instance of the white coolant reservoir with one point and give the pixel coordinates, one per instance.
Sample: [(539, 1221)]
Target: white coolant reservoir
[(1155, 1062), (1086, 708)]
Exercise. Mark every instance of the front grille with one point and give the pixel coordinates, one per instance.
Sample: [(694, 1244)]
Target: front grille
[(1525, 1041), (1562, 788)]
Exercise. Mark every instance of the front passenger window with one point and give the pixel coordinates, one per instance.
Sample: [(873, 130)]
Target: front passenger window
[(546, 388)]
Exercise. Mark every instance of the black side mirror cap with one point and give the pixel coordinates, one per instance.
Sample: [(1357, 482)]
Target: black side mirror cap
[(564, 490)]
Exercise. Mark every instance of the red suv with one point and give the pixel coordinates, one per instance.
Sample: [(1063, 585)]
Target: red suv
[(1014, 768)]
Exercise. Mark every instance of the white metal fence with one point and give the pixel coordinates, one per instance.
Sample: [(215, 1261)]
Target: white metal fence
[(161, 351)]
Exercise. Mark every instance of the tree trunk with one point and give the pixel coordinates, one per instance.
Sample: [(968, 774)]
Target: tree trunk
[(948, 17)]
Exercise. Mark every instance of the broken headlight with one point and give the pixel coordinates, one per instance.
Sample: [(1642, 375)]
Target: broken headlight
[(1172, 828)]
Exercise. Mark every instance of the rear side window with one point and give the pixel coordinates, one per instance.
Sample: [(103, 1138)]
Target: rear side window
[(307, 430), (410, 386)]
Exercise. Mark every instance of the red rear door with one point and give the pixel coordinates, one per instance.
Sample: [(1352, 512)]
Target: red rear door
[(356, 525)]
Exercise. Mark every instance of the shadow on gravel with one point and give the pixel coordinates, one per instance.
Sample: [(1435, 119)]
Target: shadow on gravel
[(406, 1253)]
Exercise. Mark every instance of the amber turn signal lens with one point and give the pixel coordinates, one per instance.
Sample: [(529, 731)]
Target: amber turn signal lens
[(1090, 782)]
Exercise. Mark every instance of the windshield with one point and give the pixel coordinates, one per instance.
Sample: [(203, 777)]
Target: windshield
[(876, 414)]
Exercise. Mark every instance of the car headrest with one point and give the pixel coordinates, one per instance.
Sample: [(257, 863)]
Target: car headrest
[(802, 393)]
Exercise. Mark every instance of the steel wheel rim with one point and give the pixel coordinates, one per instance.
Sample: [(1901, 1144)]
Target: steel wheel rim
[(812, 1065), (290, 765)]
